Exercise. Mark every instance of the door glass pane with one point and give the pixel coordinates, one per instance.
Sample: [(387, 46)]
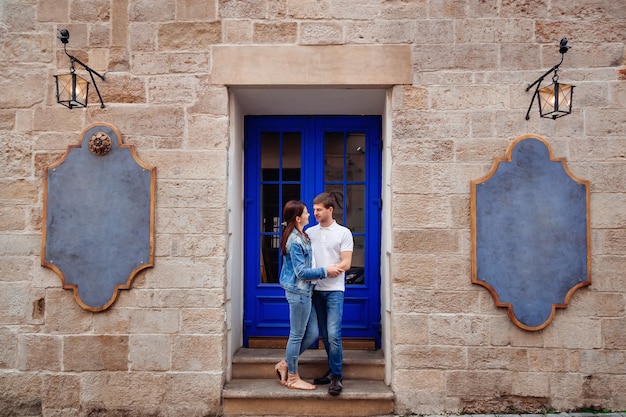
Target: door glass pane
[(355, 207), (333, 156), (356, 274), (355, 155), (280, 182)]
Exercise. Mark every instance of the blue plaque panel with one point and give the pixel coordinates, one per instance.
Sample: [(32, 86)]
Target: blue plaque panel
[(98, 224), (530, 232)]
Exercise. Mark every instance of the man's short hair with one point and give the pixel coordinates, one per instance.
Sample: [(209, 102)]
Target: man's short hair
[(325, 199)]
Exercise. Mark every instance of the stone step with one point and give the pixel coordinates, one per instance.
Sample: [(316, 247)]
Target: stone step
[(357, 364), (263, 397), (255, 390)]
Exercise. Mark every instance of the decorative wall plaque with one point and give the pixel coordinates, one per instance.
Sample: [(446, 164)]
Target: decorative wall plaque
[(98, 223), (530, 232)]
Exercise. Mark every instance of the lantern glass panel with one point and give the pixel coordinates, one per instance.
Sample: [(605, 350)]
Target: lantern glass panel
[(555, 100), (72, 90)]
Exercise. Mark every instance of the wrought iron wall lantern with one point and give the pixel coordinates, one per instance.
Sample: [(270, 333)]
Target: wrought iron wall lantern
[(555, 100), (72, 89)]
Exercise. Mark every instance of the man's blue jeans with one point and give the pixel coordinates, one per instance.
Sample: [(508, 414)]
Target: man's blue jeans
[(302, 328), (329, 308)]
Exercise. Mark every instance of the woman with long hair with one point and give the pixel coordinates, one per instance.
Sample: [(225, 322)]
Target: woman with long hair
[(298, 278)]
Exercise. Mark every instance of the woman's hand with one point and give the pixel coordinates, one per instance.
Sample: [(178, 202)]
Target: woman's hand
[(332, 271)]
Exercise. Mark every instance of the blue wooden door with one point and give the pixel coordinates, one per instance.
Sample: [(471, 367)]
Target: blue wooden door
[(297, 158)]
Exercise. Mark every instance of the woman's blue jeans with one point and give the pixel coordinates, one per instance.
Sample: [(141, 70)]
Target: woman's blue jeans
[(329, 308), (302, 328)]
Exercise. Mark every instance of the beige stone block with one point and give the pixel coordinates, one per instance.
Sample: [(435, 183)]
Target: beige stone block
[(433, 32), (308, 9), (38, 352), (410, 98), (131, 120), (8, 348), (178, 36), (603, 361), (172, 89), (589, 303), (202, 321), (92, 11), (419, 210), (187, 273), (194, 193), (421, 381), (573, 332), (16, 159), (190, 220), (122, 89), (286, 32), (149, 352), (608, 273), (374, 31), (454, 273), (207, 132), (13, 218), (21, 393), (410, 329), (503, 332), (63, 314), (150, 63), (473, 384), (60, 392), (95, 353), (211, 99), (16, 268), (142, 43), (310, 65), (613, 242), (194, 10), (469, 97), (52, 11), (110, 390), (607, 210), (546, 360), (20, 244), (155, 11), (418, 300), (237, 31), (185, 165), (456, 57), (204, 245), (480, 150), (411, 178), (16, 303), (527, 384), (249, 9), (425, 241), (320, 33), (459, 330), (429, 357), (414, 269), (502, 358), (181, 298), (566, 385), (189, 62), (597, 149), (198, 353), (154, 320), (115, 320), (411, 150), (344, 9), (188, 391)]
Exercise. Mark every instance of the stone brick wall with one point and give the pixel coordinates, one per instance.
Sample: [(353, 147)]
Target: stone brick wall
[(163, 346)]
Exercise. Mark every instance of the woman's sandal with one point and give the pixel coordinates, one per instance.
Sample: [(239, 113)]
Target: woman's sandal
[(294, 382), (281, 371)]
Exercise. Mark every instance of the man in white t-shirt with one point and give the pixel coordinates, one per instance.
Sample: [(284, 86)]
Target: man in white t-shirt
[(332, 245)]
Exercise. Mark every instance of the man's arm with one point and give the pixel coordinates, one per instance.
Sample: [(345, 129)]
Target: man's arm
[(346, 260)]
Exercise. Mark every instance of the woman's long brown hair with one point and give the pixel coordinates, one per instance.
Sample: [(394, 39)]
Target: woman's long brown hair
[(293, 209)]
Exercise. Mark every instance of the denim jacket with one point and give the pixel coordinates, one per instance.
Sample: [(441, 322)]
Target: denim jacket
[(297, 273)]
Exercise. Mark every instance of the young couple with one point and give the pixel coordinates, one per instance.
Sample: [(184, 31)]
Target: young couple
[(315, 294)]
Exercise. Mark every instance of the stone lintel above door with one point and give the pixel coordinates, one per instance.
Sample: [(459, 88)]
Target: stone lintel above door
[(333, 65)]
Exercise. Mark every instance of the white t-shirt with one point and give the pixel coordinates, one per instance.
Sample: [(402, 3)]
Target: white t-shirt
[(328, 243)]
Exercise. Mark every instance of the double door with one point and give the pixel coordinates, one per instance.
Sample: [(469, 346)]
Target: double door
[(296, 158)]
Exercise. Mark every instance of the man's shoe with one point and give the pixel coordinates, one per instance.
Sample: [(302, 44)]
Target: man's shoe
[(323, 380), (335, 385)]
